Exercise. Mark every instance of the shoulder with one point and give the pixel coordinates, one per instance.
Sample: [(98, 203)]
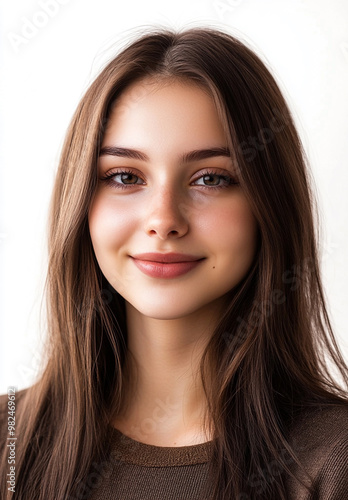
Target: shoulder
[(320, 439)]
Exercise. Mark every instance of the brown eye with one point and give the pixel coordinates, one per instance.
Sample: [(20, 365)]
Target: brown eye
[(122, 179), (128, 178), (211, 179)]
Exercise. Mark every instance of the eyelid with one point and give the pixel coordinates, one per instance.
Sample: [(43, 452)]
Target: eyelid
[(202, 171), (215, 171), (120, 170)]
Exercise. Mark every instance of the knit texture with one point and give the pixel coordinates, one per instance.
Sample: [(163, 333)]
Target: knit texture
[(137, 471)]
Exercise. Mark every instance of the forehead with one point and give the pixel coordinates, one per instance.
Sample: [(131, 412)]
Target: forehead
[(149, 86), (177, 108)]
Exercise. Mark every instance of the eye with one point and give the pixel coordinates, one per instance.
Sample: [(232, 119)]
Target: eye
[(211, 179), (127, 178), (214, 180), (122, 179)]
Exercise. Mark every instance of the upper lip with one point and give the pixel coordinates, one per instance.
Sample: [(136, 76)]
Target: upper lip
[(166, 257)]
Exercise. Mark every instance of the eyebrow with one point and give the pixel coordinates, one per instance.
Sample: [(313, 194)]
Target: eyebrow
[(196, 155)]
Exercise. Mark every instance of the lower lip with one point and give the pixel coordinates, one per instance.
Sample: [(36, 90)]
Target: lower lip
[(165, 270)]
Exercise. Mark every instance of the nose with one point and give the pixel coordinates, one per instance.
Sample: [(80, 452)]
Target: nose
[(166, 215)]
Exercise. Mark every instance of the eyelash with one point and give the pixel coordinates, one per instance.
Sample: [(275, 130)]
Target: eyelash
[(108, 180)]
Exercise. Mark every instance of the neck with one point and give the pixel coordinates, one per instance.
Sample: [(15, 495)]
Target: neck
[(164, 401)]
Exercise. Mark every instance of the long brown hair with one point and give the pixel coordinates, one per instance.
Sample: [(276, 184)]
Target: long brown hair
[(270, 351)]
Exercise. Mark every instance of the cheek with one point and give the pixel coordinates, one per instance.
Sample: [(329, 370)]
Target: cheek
[(235, 240), (109, 226), (231, 228)]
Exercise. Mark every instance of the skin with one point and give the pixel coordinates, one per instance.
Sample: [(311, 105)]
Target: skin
[(169, 207)]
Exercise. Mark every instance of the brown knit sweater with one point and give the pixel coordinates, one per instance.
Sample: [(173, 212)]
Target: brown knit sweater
[(139, 471)]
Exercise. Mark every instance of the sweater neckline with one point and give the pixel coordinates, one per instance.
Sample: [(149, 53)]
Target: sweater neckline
[(127, 449)]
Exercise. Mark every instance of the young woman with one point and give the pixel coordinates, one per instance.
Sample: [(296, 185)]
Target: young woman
[(188, 333)]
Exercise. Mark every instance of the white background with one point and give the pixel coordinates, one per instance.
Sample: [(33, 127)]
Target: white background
[(47, 62)]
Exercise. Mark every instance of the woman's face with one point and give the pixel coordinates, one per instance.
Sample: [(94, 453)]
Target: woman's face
[(155, 196)]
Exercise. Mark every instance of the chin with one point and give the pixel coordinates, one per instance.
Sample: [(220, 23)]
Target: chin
[(164, 314), (165, 311)]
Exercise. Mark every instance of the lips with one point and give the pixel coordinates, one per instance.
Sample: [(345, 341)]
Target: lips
[(167, 266), (166, 257)]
